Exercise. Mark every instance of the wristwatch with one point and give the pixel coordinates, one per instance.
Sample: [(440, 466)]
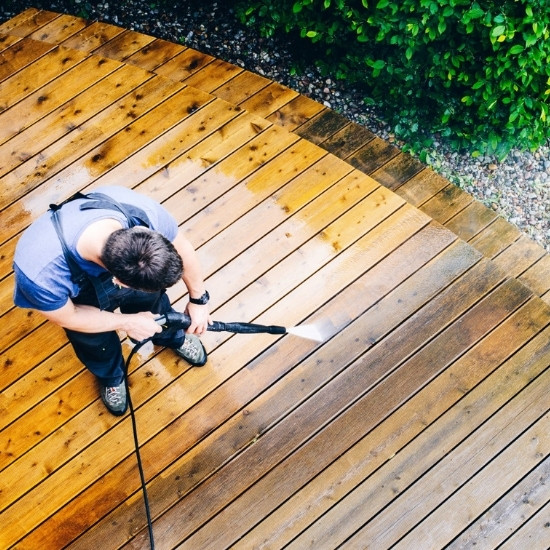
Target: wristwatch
[(202, 300)]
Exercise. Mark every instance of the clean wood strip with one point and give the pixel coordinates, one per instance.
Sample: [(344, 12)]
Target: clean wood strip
[(154, 54), (329, 498), (510, 513), (123, 45), (7, 41), (213, 75), (200, 130), (59, 29), (20, 55), (92, 37), (185, 64), (98, 136), (269, 99), (241, 181), (28, 22), (42, 102), (17, 20), (241, 87)]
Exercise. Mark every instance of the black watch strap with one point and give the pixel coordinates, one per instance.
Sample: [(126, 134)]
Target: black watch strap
[(202, 300)]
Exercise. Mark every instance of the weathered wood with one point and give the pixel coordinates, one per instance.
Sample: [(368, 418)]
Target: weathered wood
[(447, 203), (422, 187), (374, 154), (471, 221), (398, 171), (537, 277), (509, 514), (358, 469), (322, 126), (498, 236), (347, 140), (296, 112), (533, 534), (526, 452), (519, 256)]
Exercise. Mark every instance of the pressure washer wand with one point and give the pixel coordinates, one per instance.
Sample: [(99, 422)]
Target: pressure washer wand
[(174, 319)]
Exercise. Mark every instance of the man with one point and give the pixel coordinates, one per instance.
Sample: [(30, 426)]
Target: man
[(113, 249)]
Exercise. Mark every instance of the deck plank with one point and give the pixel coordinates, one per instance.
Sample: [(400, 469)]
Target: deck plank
[(20, 55)]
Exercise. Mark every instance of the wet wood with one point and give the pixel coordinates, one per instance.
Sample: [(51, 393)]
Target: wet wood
[(421, 416)]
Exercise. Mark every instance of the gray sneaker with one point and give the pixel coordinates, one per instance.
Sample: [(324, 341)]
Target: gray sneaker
[(115, 398), (192, 351)]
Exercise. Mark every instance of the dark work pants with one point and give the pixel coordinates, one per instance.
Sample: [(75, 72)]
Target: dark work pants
[(101, 352)]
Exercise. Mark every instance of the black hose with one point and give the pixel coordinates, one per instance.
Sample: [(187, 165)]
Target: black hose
[(174, 319), (136, 445)]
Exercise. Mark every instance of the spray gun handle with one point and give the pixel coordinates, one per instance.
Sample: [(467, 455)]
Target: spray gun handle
[(174, 319)]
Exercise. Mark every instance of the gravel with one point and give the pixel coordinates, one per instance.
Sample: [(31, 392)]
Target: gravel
[(518, 188)]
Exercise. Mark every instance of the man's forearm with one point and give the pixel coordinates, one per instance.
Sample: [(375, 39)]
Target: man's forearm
[(90, 319)]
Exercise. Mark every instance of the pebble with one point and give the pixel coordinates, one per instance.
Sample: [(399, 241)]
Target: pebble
[(517, 188)]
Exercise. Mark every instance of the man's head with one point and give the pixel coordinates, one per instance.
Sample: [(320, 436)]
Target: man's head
[(142, 259)]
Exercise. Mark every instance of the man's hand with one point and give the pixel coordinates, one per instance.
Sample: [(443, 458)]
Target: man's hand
[(200, 318), (140, 326)]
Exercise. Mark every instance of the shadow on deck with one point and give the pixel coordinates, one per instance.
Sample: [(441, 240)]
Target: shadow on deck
[(420, 422)]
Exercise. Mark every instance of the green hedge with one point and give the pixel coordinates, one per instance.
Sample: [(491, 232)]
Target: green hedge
[(477, 72)]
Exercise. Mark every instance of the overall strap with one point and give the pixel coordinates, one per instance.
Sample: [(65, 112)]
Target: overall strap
[(134, 215), (78, 275)]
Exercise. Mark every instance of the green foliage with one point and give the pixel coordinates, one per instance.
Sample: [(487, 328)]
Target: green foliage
[(475, 71)]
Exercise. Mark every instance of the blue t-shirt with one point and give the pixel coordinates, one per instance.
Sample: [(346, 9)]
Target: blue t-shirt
[(42, 277)]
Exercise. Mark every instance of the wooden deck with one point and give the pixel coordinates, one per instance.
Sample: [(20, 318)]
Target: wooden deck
[(422, 421)]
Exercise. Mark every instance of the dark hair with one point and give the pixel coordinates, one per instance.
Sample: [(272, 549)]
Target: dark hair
[(142, 259)]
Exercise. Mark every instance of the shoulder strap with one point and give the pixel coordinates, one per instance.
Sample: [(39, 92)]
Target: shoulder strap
[(78, 275), (134, 215)]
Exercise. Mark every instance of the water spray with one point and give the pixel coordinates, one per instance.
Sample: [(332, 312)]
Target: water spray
[(175, 319)]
